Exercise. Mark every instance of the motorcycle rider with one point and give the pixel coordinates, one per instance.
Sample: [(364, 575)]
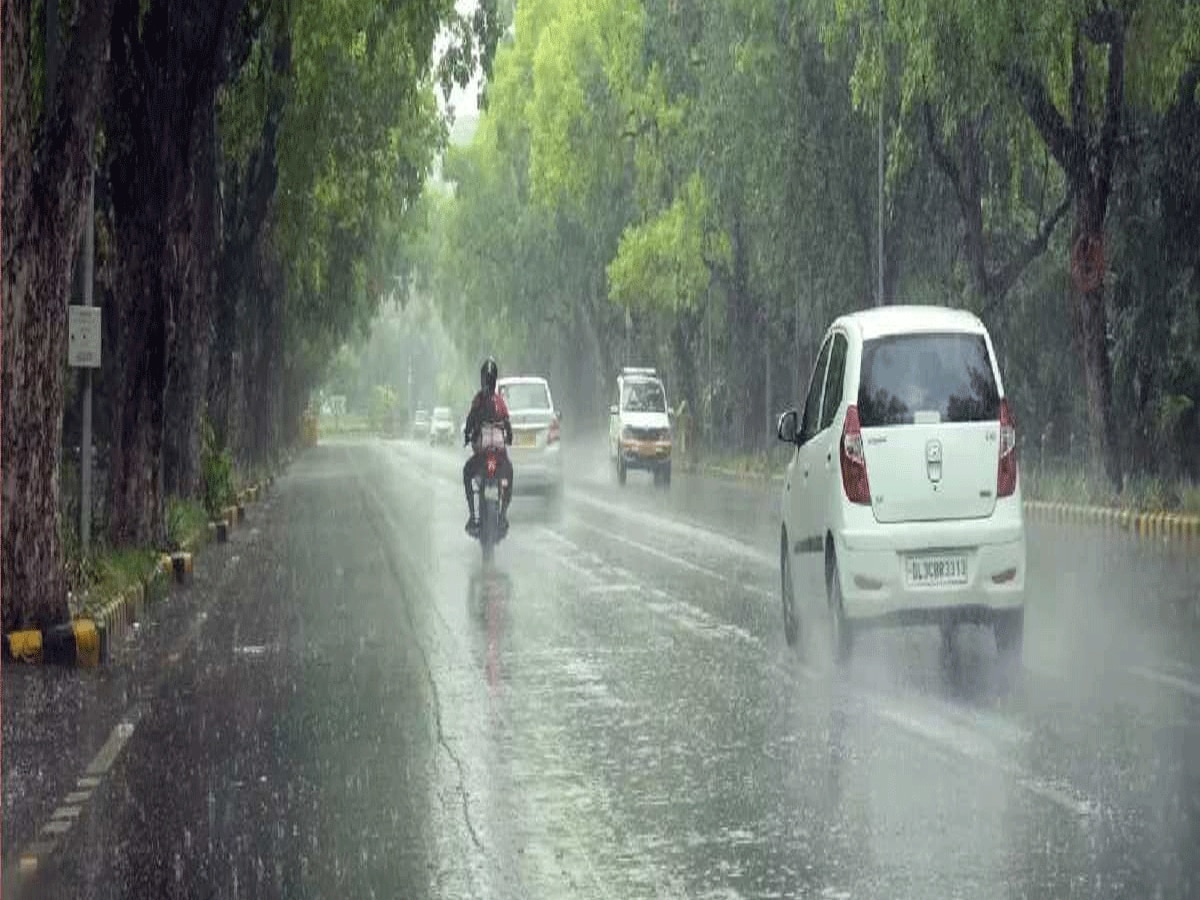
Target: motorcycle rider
[(488, 408)]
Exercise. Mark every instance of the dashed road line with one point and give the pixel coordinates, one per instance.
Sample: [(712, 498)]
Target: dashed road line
[(1188, 687), (675, 560)]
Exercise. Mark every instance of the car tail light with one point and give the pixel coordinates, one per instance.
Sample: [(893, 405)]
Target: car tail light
[(553, 434), (1006, 475), (491, 465), (854, 461)]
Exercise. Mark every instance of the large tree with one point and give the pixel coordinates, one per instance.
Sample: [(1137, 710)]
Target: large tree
[(1055, 77), (46, 160)]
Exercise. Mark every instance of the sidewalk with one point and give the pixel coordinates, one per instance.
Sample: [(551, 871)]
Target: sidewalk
[(56, 718)]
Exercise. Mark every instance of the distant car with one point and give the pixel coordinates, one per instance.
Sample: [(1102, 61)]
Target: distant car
[(441, 426), (420, 426), (902, 504), (639, 430), (536, 450)]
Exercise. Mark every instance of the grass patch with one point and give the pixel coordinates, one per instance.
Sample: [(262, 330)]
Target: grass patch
[(109, 573), (763, 464), (1144, 493), (347, 424), (186, 521)]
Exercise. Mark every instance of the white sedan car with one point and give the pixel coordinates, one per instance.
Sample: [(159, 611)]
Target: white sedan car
[(536, 450), (901, 504)]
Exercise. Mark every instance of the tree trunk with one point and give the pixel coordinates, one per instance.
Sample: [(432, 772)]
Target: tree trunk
[(188, 376), (43, 200), (166, 64), (1090, 313)]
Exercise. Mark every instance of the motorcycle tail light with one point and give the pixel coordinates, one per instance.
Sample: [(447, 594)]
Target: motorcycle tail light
[(491, 466)]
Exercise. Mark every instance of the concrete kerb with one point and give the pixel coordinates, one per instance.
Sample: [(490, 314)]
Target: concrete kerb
[(1143, 525), (87, 640)]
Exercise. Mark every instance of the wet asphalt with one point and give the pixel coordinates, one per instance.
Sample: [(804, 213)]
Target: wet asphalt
[(345, 704)]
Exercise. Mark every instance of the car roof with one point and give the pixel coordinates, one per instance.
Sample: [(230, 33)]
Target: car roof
[(522, 379), (885, 320)]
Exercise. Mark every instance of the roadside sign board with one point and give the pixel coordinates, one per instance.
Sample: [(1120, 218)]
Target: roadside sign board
[(83, 337)]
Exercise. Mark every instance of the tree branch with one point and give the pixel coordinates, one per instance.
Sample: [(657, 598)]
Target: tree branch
[(1063, 141), (940, 154), (1114, 101), (1003, 280)]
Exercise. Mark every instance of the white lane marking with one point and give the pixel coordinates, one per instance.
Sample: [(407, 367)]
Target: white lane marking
[(965, 736), (963, 741), (107, 755), (88, 783), (77, 797), (694, 533), (1188, 687), (57, 827), (67, 812), (676, 560), (251, 650), (612, 589)]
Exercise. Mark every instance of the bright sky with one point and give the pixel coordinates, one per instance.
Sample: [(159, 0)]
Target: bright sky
[(462, 100)]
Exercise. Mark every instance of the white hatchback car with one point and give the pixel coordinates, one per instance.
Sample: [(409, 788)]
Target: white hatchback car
[(536, 450), (901, 504)]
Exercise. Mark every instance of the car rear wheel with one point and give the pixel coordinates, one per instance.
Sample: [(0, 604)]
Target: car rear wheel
[(1009, 629), (620, 470), (841, 629), (791, 624)]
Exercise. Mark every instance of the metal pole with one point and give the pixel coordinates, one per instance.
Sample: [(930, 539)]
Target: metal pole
[(85, 463), (882, 73)]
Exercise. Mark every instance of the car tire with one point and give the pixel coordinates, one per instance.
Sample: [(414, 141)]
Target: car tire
[(1008, 627), (620, 471), (666, 475), (791, 622), (841, 629)]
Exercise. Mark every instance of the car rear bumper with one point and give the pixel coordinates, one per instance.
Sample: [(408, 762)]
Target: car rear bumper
[(875, 585), (536, 472)]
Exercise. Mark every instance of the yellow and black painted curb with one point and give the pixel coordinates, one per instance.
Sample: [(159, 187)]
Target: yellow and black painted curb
[(178, 564), (87, 640), (75, 643), (1169, 526)]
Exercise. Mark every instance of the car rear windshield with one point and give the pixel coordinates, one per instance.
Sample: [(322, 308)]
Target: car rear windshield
[(441, 414), (920, 378), (525, 395)]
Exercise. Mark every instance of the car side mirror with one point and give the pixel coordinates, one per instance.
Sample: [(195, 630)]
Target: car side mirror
[(789, 427), (612, 410)]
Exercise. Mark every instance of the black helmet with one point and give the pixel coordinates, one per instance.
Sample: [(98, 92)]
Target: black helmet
[(488, 373)]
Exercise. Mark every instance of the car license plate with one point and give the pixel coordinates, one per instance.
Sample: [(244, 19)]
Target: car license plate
[(934, 571), (526, 439), (491, 492)]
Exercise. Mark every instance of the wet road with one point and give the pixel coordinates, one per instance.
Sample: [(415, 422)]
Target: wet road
[(613, 712)]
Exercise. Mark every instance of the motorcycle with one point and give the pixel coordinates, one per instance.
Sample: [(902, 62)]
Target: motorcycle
[(489, 487)]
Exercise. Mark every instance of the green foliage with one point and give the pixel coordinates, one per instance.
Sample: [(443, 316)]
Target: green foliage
[(666, 262), (218, 489), (186, 520), (111, 573), (383, 415)]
